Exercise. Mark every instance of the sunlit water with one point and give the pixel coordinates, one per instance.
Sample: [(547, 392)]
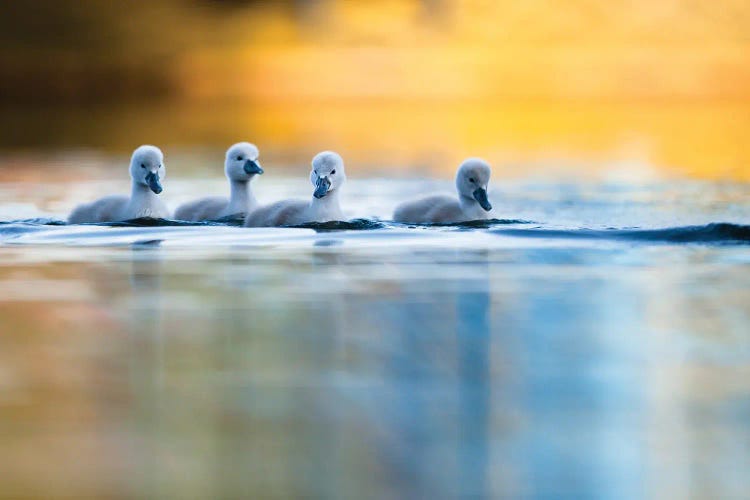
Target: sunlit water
[(593, 343)]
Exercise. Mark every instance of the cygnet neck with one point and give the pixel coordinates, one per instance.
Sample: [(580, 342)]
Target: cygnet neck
[(467, 201), (141, 193), (241, 196), (329, 204)]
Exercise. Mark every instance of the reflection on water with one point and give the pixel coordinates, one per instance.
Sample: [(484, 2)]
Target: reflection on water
[(215, 361), (320, 372)]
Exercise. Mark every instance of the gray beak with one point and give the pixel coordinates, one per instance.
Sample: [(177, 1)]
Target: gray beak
[(252, 167), (321, 187), (480, 194), (153, 182)]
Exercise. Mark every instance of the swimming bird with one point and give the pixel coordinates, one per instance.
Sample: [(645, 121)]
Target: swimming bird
[(240, 166), (327, 175), (146, 171), (472, 204)]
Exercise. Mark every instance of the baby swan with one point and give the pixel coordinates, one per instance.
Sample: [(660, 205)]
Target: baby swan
[(472, 204), (327, 176), (146, 171), (240, 166)]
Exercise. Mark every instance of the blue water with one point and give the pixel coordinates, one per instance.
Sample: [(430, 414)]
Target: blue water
[(592, 343), (712, 233)]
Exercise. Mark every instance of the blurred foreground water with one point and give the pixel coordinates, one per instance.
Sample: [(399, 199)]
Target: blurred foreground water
[(594, 345)]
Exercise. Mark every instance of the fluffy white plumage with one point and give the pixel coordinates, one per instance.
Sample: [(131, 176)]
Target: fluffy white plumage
[(472, 179), (146, 172), (327, 175), (240, 166)]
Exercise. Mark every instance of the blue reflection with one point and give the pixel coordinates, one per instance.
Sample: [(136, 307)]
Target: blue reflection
[(474, 384)]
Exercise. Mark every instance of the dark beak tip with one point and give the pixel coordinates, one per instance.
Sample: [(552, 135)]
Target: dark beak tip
[(252, 168), (480, 195), (153, 183), (321, 188)]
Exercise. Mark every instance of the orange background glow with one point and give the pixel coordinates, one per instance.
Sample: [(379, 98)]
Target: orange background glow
[(651, 86)]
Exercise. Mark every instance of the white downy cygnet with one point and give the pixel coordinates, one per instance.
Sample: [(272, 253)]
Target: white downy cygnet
[(327, 176), (472, 204), (240, 166), (146, 171)]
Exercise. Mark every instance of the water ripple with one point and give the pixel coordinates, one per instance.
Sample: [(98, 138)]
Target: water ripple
[(715, 232)]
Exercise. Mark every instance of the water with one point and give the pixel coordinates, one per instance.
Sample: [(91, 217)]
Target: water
[(593, 343)]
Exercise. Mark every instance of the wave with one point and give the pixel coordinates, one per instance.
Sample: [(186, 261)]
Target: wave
[(152, 222), (39, 221), (10, 229), (471, 224), (351, 225), (354, 224), (365, 224), (715, 232)]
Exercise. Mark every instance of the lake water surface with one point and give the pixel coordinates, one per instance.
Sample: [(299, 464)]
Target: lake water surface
[(592, 343)]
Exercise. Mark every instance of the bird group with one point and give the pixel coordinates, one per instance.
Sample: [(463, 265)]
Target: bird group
[(241, 165)]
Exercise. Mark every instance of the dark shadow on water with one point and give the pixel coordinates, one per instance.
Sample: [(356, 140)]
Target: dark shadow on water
[(152, 222), (38, 221), (361, 224), (147, 244), (352, 225), (716, 232), (471, 224), (237, 220)]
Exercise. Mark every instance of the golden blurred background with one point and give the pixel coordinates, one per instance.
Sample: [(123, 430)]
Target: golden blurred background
[(637, 87)]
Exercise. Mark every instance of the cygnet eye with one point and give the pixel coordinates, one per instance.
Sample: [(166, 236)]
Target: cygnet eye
[(239, 157), (471, 179), (333, 172), (143, 165)]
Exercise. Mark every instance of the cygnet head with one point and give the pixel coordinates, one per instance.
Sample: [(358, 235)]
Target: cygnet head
[(241, 163), (472, 179), (327, 173), (147, 167)]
